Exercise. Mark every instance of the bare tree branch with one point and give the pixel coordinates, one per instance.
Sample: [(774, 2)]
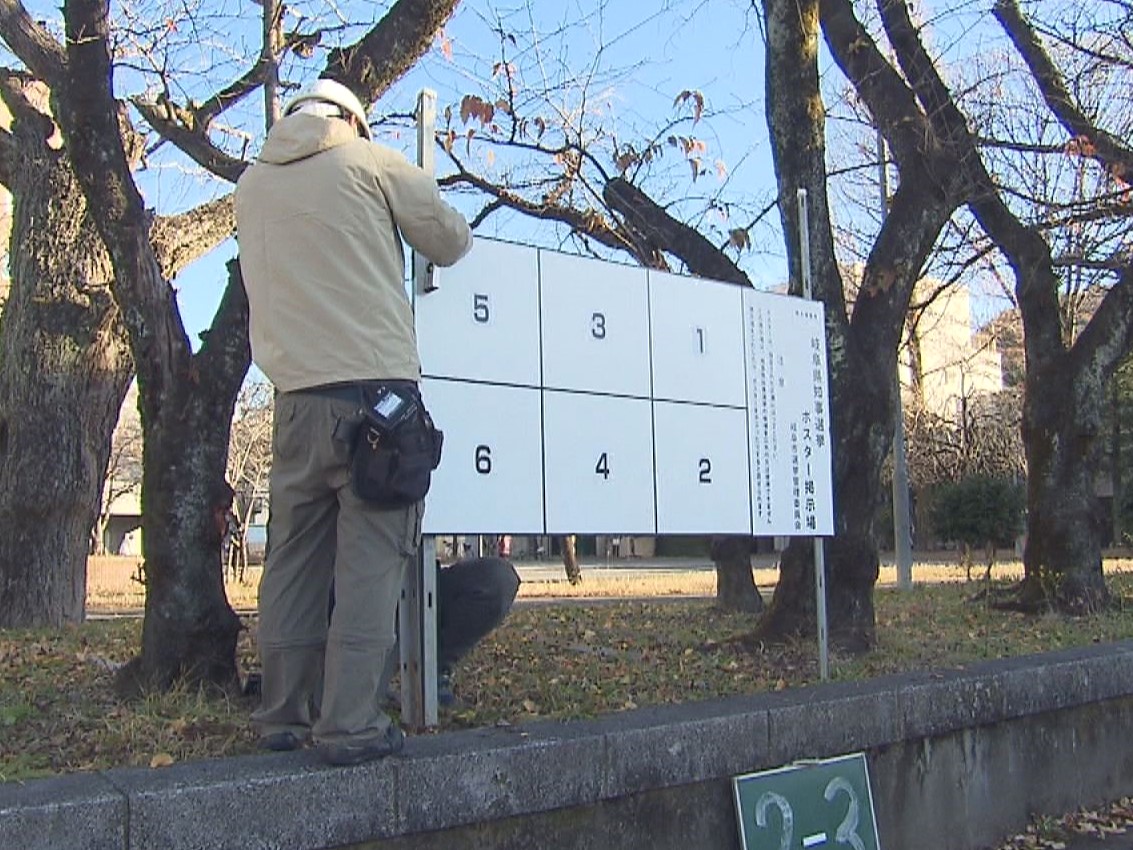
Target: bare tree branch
[(368, 67), (1105, 148), (31, 121), (662, 233), (93, 130), (32, 43), (582, 222), (390, 48), (178, 240), (181, 127)]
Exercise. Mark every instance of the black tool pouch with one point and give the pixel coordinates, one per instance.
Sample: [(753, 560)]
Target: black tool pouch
[(393, 468)]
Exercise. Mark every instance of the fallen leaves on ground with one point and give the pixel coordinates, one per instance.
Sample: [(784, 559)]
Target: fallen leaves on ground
[(1080, 829), (568, 660)]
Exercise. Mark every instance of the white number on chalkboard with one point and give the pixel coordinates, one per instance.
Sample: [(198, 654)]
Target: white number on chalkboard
[(483, 459), (705, 471), (480, 311), (847, 832), (598, 326), (787, 832), (603, 466)]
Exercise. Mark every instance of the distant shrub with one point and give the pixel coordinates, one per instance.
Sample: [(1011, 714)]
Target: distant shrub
[(979, 512)]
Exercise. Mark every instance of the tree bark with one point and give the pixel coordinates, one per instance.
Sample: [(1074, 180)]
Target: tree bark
[(862, 352), (735, 582), (1064, 384), (64, 370), (190, 631), (570, 559)]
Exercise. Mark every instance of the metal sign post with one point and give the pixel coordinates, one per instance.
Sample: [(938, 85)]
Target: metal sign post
[(417, 613), (819, 547)]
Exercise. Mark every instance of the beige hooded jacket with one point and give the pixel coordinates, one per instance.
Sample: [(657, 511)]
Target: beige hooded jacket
[(319, 220)]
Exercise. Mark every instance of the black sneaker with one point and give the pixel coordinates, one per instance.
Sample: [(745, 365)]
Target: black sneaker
[(345, 753)]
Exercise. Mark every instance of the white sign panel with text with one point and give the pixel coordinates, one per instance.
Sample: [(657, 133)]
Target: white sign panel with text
[(788, 419)]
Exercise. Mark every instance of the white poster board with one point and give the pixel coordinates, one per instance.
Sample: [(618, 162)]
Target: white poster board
[(583, 397)]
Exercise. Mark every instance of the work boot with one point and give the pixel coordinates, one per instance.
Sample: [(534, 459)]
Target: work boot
[(341, 753), (280, 742)]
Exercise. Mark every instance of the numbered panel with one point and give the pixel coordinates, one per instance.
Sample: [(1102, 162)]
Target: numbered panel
[(595, 320), (598, 464), (491, 475), (698, 340), (482, 322), (789, 426), (702, 472)]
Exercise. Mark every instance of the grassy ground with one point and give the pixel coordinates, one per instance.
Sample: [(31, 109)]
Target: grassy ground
[(560, 659)]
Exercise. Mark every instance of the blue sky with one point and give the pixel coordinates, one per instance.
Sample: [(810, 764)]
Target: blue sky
[(628, 62), (639, 61)]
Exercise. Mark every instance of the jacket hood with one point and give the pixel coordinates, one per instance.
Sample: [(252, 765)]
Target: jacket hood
[(302, 135)]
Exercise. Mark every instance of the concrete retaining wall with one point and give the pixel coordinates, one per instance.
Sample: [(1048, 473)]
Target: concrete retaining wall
[(956, 760)]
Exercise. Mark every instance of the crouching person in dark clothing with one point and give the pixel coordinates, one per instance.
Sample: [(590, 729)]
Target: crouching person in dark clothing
[(474, 596)]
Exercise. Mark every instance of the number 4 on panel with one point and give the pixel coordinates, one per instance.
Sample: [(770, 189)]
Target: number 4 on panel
[(602, 467)]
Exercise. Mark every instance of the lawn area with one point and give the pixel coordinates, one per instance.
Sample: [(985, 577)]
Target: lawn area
[(641, 644), (565, 658)]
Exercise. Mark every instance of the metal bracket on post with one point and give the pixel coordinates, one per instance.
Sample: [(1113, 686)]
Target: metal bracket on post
[(819, 547), (417, 618), (426, 148), (417, 625)]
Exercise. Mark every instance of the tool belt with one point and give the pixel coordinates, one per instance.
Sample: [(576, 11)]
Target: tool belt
[(394, 444)]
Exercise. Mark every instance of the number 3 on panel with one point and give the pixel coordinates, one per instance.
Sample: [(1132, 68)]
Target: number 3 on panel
[(598, 325)]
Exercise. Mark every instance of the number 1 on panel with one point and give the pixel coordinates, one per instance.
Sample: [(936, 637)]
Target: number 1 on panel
[(700, 335)]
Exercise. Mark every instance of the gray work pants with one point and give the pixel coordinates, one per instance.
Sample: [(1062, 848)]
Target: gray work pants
[(318, 679)]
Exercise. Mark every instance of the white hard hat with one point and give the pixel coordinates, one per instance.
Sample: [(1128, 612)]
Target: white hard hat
[(329, 91)]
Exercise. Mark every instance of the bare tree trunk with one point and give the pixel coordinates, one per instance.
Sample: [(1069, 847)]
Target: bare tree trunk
[(64, 370), (1063, 557), (570, 560), (190, 630), (98, 534), (735, 582), (862, 352)]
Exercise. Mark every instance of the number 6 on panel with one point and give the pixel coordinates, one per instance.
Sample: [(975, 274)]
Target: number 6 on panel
[(483, 459)]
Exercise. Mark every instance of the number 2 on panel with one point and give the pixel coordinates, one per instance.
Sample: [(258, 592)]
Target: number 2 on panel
[(705, 467)]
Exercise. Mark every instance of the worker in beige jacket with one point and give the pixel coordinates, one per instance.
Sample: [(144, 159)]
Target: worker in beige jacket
[(320, 218)]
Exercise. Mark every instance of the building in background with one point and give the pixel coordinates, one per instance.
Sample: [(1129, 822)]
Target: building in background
[(945, 363)]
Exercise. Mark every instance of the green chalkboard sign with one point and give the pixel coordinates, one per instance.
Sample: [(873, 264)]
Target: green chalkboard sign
[(821, 804)]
